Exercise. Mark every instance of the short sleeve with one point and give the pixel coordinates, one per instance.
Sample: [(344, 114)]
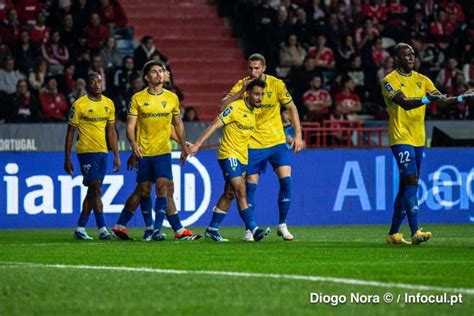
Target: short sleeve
[(111, 112), (226, 116), (74, 115), (176, 110), (284, 96), (390, 87), (430, 87), (133, 107)]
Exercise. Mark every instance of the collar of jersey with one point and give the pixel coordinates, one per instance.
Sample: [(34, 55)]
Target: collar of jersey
[(402, 74), (88, 96), (148, 91)]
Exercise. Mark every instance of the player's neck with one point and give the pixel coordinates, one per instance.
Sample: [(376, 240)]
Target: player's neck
[(155, 89), (404, 72), (248, 105), (97, 97)]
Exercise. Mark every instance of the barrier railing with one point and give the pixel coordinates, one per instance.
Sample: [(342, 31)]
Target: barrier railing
[(343, 134)]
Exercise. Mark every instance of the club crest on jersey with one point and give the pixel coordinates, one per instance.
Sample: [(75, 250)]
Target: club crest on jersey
[(106, 109), (388, 87), (163, 103), (419, 85), (90, 110), (269, 94), (245, 115), (227, 111), (146, 104)]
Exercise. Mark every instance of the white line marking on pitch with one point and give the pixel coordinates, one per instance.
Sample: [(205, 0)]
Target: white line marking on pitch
[(405, 286)]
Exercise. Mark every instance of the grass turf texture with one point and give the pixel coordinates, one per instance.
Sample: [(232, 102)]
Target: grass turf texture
[(355, 252)]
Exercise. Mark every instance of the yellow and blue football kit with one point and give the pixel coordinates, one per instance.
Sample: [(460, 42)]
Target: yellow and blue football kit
[(239, 122), (90, 117), (406, 138), (154, 114), (267, 143)]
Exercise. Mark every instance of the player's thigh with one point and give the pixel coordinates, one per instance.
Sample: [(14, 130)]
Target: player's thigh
[(280, 159), (257, 161), (419, 157), (232, 168), (93, 166), (162, 167), (145, 170), (405, 156)]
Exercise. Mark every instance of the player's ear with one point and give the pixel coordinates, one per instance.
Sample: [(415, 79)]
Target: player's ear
[(264, 68)]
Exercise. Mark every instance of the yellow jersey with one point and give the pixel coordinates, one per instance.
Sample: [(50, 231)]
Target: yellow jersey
[(154, 114), (239, 123), (91, 118), (406, 127), (269, 129)]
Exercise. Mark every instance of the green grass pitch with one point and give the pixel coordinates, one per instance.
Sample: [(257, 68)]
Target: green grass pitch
[(46, 272)]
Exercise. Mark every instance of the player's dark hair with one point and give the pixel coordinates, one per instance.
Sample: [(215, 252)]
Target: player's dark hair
[(149, 64), (399, 47), (256, 83), (258, 57), (90, 75)]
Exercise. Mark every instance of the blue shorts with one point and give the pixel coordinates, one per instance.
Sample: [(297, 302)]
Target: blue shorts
[(278, 156), (408, 159), (232, 168), (154, 167), (93, 166)]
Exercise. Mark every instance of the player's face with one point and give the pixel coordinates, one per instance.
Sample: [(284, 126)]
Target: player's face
[(95, 85), (155, 76), (256, 96), (256, 69), (406, 58)]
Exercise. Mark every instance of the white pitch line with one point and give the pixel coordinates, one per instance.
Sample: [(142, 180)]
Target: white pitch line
[(405, 286)]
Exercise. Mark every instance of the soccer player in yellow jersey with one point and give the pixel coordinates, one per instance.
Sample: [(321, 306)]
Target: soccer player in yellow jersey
[(93, 115), (406, 93), (268, 142), (150, 115), (239, 121)]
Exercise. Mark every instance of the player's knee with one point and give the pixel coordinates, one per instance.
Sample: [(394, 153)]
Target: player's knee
[(411, 179), (171, 188), (241, 193), (93, 189), (145, 192)]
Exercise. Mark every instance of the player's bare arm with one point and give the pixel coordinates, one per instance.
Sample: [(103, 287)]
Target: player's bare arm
[(229, 98), (215, 125), (112, 137), (71, 130), (297, 143), (131, 136)]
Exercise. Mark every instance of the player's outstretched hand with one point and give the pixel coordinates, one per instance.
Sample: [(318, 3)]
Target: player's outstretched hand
[(435, 97), (297, 144), (68, 167), (117, 163), (193, 149), (132, 162)]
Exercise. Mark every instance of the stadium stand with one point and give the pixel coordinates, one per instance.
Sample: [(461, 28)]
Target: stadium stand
[(346, 43)]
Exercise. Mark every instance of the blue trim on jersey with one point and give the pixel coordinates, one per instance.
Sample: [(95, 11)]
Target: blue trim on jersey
[(278, 156), (408, 158), (154, 167), (93, 166), (232, 168)]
